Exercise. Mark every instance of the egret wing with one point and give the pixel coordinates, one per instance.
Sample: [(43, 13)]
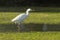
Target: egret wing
[(20, 17)]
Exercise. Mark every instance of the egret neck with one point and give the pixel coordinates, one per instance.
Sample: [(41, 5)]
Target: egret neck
[(27, 12)]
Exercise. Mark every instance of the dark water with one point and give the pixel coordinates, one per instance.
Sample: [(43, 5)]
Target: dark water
[(29, 27)]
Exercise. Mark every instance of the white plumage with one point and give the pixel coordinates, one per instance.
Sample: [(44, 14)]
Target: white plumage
[(21, 17), (18, 19)]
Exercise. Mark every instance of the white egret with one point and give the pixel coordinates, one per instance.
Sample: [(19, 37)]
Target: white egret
[(18, 20)]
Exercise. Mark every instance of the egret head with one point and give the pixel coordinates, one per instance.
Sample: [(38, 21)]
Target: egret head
[(29, 9), (27, 12)]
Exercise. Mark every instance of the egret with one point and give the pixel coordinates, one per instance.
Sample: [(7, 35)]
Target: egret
[(19, 19)]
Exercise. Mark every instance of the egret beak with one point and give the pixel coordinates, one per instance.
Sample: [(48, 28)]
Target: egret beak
[(32, 10)]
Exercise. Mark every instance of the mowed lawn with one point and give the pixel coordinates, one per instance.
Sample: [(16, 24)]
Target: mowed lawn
[(34, 22)]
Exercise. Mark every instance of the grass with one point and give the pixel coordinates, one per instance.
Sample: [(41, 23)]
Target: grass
[(30, 36), (35, 20)]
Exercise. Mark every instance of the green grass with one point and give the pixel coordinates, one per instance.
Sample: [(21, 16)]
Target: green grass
[(30, 36), (35, 19)]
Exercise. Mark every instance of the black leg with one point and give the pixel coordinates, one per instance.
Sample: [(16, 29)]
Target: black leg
[(22, 27), (18, 27)]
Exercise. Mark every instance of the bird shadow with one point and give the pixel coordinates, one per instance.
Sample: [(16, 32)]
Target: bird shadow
[(29, 27)]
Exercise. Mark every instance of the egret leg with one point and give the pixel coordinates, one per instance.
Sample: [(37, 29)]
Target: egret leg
[(18, 27), (22, 27)]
